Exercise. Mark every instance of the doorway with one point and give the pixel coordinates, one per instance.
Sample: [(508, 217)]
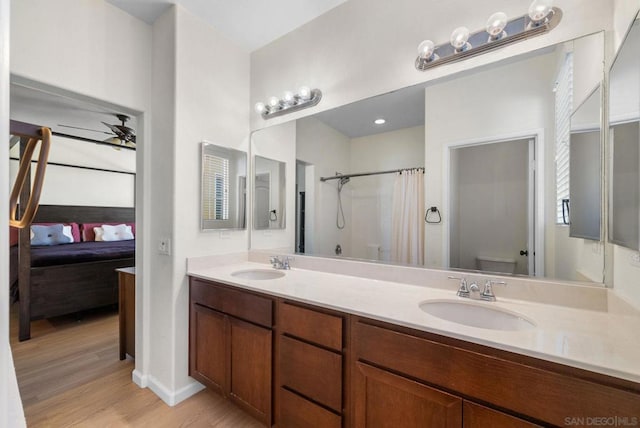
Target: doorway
[(492, 206)]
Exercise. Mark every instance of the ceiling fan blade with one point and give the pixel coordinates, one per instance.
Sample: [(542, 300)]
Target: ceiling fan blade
[(113, 128), (84, 129)]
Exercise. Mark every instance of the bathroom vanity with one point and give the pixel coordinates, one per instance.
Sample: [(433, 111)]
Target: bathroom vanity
[(319, 349)]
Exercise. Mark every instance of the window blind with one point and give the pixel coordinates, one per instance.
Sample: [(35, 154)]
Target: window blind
[(563, 108), (215, 188)]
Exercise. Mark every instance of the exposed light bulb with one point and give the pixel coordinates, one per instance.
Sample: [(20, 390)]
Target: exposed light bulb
[(305, 93), (459, 39), (260, 108), (288, 98), (380, 121), (426, 50), (274, 103), (496, 24), (539, 10)]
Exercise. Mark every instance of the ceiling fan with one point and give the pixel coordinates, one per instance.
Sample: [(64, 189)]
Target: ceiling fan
[(126, 135), (122, 135)]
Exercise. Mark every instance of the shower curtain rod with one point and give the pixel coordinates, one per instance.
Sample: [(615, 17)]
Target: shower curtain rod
[(362, 174)]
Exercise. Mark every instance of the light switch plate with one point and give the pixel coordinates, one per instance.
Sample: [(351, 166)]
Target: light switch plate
[(164, 246)]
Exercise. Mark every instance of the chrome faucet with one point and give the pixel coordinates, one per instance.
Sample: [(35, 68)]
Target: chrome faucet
[(487, 293), (280, 264), (468, 290)]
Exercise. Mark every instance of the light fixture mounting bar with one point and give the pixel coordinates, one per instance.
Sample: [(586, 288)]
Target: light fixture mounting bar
[(517, 29), (300, 104)]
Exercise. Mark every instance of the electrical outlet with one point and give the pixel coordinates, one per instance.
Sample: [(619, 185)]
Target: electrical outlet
[(164, 246), (634, 259)]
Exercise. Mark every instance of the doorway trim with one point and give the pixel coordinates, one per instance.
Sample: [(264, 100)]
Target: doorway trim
[(536, 227)]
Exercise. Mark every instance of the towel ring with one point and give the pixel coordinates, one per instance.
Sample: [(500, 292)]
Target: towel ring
[(429, 219), (36, 189)]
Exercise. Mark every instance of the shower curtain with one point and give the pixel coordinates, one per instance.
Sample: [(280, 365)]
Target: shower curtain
[(407, 225)]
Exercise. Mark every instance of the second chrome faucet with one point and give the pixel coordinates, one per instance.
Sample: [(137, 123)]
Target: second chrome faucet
[(470, 290)]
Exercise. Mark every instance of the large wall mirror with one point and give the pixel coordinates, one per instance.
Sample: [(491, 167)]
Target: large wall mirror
[(624, 119), (223, 188), (469, 172)]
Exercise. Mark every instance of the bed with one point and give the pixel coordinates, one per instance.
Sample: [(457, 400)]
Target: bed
[(55, 280)]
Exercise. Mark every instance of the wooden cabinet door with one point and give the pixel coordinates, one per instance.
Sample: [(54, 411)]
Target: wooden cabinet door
[(208, 347), (250, 384), (477, 416), (385, 400)]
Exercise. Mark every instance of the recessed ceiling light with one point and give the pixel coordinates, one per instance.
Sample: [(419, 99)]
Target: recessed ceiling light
[(380, 121)]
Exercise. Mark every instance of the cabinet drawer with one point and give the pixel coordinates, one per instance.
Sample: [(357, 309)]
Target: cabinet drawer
[(491, 379), (312, 326), (311, 371), (296, 412), (241, 304), (477, 416)]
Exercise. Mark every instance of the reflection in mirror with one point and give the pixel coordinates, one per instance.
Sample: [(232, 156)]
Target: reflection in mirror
[(486, 140), (585, 196), (269, 194), (624, 117), (224, 184)]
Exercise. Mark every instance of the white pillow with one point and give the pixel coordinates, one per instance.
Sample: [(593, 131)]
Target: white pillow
[(106, 232), (66, 231)]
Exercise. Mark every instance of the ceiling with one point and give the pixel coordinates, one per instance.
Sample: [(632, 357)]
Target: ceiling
[(250, 23), (401, 109), (62, 113)]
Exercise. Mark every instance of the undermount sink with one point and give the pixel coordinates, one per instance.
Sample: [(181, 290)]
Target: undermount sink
[(259, 274), (476, 315)]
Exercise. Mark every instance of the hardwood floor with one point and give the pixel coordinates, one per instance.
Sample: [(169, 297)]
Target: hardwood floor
[(69, 374)]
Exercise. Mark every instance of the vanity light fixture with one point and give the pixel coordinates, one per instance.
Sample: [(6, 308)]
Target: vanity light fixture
[(289, 102), (499, 31)]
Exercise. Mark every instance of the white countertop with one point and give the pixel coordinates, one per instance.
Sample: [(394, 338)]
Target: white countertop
[(598, 341)]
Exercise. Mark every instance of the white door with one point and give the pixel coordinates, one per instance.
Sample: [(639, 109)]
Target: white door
[(492, 204)]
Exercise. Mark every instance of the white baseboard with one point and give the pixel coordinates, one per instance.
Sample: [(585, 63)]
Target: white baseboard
[(173, 397), (139, 379)]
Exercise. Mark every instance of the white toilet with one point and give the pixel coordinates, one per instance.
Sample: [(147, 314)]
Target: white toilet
[(495, 264)]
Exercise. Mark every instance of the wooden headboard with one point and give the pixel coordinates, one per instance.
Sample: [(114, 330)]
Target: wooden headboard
[(83, 214)]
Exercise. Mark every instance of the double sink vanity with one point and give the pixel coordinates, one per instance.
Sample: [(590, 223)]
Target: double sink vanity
[(339, 343)]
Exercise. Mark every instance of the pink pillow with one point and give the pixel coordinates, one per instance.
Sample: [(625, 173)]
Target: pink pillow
[(89, 235), (75, 229)]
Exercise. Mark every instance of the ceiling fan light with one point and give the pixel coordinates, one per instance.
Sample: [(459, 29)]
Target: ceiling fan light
[(115, 141)]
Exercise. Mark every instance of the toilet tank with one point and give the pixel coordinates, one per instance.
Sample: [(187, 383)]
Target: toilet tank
[(495, 264)]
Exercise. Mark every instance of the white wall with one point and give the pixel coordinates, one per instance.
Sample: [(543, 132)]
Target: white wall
[(278, 143), (11, 413), (75, 186), (201, 94), (521, 104), (367, 47), (92, 31), (85, 46), (372, 196), (624, 11), (327, 151)]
